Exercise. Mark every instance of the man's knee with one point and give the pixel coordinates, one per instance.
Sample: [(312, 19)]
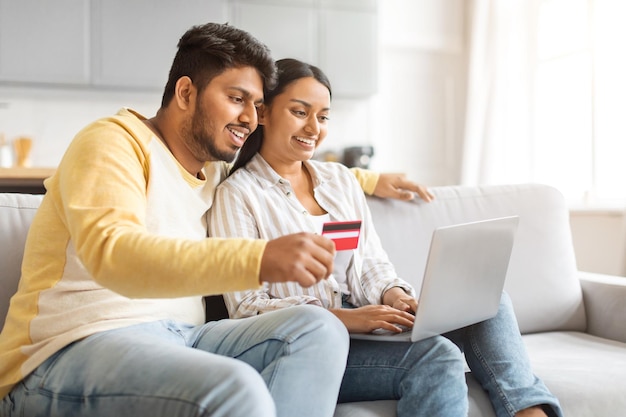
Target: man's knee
[(321, 325), (241, 392)]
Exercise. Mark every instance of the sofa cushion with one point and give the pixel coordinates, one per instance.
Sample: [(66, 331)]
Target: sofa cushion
[(16, 214), (586, 373), (542, 277)]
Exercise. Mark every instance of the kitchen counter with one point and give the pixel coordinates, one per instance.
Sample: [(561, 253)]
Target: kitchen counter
[(24, 180)]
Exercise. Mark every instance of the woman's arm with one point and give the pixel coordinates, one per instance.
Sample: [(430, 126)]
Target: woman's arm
[(250, 303)]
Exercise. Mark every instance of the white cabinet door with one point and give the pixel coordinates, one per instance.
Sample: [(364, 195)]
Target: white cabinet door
[(290, 31), (349, 47), (134, 42), (131, 44), (43, 41), (339, 36)]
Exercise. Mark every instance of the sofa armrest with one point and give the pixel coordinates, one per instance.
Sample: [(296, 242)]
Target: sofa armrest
[(605, 305)]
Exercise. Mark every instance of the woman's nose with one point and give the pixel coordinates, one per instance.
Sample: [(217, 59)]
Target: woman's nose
[(312, 126)]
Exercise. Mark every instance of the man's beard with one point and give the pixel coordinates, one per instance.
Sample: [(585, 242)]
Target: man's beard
[(203, 145)]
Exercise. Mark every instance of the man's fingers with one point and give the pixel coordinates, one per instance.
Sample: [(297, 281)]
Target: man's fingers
[(424, 193), (405, 195), (305, 258), (410, 187), (397, 186)]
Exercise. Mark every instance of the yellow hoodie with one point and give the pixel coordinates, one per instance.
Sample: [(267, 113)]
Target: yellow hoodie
[(120, 239)]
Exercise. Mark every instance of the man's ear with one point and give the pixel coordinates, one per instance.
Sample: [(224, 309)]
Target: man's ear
[(260, 112), (185, 93)]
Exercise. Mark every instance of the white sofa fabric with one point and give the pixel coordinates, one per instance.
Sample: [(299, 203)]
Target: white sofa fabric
[(574, 323)]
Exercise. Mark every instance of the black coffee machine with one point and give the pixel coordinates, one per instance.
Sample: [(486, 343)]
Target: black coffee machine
[(358, 156)]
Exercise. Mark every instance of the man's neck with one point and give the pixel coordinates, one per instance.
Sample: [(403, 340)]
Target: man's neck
[(166, 129)]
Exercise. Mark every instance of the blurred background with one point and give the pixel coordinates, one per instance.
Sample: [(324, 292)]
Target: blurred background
[(447, 91)]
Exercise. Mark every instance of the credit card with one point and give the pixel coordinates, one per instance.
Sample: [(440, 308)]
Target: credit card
[(344, 234)]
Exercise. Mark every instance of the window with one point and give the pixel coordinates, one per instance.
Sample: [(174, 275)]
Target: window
[(580, 128)]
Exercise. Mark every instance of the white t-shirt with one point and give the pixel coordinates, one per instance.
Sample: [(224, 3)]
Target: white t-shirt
[(342, 257)]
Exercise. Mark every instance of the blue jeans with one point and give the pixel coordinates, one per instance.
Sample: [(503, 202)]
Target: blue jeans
[(496, 354), (427, 378), (286, 363)]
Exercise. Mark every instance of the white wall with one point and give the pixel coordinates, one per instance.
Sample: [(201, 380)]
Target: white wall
[(599, 238), (420, 106), (51, 117)]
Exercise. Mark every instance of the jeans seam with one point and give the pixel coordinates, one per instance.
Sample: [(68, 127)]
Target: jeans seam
[(494, 381), (80, 399), (278, 366)]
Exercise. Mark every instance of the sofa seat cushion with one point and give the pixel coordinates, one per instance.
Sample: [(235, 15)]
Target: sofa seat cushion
[(367, 409), (571, 363)]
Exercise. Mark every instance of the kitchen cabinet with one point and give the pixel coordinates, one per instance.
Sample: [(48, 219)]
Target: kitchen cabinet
[(96, 43), (120, 44), (134, 42), (44, 41), (339, 36), (289, 29)]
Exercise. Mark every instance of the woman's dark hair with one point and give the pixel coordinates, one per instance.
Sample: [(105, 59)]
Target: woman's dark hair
[(289, 70), (205, 51)]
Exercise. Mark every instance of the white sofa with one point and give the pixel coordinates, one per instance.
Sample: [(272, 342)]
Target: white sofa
[(574, 323)]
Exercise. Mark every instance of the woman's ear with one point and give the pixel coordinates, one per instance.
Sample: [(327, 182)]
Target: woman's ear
[(260, 112)]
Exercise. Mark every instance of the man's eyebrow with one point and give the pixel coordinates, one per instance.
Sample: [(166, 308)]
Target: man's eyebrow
[(246, 93)]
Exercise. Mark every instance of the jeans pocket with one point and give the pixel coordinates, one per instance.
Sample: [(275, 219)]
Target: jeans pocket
[(36, 380), (7, 405)]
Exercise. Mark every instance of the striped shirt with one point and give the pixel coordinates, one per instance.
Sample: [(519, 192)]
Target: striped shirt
[(255, 202)]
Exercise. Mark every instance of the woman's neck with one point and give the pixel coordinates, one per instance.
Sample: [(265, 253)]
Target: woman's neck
[(301, 182), (303, 185), (289, 170)]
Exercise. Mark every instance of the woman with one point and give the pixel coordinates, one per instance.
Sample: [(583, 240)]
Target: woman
[(275, 188)]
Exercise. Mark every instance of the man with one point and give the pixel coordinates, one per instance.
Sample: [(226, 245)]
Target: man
[(108, 318)]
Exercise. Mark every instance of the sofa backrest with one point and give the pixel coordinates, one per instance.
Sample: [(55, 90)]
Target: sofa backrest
[(16, 214), (542, 276)]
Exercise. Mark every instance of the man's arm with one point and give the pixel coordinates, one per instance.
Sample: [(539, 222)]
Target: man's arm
[(302, 257), (389, 185)]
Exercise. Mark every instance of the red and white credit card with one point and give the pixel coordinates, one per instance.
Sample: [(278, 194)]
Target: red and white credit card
[(344, 234)]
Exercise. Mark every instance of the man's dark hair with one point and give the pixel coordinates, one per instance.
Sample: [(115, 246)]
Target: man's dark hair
[(205, 51)]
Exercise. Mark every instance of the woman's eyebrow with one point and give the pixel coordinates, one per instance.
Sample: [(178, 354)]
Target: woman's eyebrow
[(307, 104)]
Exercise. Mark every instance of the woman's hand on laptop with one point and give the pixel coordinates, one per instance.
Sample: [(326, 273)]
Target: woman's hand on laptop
[(397, 298), (372, 317)]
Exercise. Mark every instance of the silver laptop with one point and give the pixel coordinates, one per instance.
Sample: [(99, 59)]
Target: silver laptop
[(463, 280)]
